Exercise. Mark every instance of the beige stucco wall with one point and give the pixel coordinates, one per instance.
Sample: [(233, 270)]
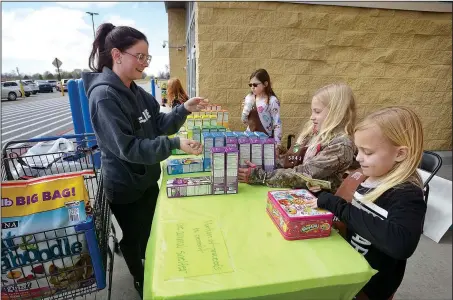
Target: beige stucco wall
[(177, 37), (386, 56)]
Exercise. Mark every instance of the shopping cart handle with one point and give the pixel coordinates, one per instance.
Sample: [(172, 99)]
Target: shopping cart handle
[(52, 138)]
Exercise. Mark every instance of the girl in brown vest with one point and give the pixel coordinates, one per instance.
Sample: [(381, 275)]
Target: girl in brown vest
[(324, 149), (261, 111)]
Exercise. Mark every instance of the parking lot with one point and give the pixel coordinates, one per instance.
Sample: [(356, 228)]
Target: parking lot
[(38, 96), (43, 114)]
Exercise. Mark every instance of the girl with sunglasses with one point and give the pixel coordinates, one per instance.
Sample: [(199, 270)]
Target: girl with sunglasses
[(132, 135), (261, 110)]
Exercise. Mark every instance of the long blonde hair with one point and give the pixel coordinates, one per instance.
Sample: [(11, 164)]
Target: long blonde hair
[(175, 91), (402, 127), (340, 101)]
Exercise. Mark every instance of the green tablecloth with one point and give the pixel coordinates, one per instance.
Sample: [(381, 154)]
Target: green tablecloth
[(265, 265)]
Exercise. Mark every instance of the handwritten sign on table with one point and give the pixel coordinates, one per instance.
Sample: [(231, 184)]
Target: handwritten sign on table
[(193, 249)]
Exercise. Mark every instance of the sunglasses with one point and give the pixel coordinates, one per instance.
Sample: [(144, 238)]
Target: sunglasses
[(254, 84)]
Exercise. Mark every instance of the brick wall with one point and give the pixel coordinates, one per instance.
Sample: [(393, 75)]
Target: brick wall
[(176, 37), (386, 56)]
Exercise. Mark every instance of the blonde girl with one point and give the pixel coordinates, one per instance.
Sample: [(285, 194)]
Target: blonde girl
[(175, 93), (385, 218), (324, 149)]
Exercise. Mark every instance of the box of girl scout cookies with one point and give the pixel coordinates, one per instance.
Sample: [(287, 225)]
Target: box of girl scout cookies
[(231, 169), (196, 134), (219, 139), (256, 150), (186, 187), (244, 149), (269, 154), (184, 165), (190, 122), (218, 170), (208, 143), (231, 139), (198, 121), (294, 218)]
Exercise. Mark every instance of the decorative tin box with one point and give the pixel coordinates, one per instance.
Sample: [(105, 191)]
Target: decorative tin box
[(294, 218)]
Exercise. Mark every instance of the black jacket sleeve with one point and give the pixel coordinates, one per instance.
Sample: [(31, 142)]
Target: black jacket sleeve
[(115, 131), (397, 235), (167, 124)]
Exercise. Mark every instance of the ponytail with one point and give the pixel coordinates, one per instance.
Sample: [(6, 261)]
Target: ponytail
[(104, 59), (108, 37)]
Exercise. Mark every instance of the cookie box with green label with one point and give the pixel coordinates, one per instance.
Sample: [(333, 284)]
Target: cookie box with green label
[(294, 218)]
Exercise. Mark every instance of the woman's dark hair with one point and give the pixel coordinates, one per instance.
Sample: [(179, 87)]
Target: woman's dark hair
[(108, 37), (263, 76)]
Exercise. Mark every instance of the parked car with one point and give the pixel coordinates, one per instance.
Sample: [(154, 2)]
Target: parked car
[(44, 86), (27, 89), (64, 83), (10, 92), (53, 83), (34, 87)]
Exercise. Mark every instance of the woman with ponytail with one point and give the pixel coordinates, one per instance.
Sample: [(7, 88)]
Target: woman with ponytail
[(132, 135)]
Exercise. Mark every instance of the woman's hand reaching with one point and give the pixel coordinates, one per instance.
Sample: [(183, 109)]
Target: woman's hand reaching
[(196, 104), (190, 146)]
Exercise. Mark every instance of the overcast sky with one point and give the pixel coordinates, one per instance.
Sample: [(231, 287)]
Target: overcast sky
[(34, 33)]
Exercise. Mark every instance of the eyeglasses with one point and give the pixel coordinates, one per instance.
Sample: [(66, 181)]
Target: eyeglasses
[(141, 58), (254, 84)]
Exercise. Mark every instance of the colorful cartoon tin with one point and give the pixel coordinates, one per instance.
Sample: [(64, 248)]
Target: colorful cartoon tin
[(295, 219)]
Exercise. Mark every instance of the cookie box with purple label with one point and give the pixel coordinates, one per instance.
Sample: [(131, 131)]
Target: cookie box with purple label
[(294, 218), (231, 139), (190, 186), (244, 149), (256, 151), (269, 154), (231, 170), (218, 170)]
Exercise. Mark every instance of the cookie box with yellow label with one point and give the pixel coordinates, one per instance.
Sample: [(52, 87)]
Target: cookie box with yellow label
[(295, 219)]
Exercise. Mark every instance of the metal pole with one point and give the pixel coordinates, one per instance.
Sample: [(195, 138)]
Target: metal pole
[(21, 86), (92, 20)]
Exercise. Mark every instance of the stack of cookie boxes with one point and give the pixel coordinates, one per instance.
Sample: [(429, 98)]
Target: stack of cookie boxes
[(223, 153), (213, 119), (223, 179)]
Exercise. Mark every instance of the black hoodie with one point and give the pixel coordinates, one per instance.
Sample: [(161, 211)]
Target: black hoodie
[(130, 132)]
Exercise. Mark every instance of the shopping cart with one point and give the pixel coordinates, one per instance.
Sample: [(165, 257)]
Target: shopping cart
[(98, 230)]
